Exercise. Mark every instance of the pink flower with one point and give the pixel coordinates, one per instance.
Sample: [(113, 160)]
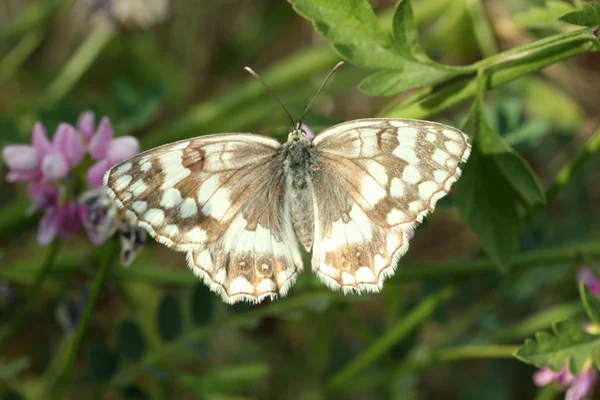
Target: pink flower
[(44, 160), (108, 151), (59, 220), (586, 275), (309, 134), (578, 387)]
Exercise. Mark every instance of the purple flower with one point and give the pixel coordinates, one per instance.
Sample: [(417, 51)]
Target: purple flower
[(59, 220), (578, 387), (108, 151), (309, 134), (44, 160), (586, 275)]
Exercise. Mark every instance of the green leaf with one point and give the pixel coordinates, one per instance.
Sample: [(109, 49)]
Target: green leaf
[(406, 32), (169, 318), (589, 15), (132, 392), (353, 29), (570, 344), (543, 17), (100, 361), (130, 341), (590, 302), (410, 75), (496, 190), (13, 368), (201, 304), (226, 379), (12, 395)]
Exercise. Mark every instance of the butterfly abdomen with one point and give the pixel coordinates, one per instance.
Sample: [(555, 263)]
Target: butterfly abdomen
[(298, 166)]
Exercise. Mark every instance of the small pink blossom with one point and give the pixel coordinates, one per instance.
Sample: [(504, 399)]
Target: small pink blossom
[(309, 134), (44, 160), (586, 275), (59, 220), (108, 151), (578, 386)]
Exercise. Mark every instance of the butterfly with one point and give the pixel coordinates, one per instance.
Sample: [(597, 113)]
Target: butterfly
[(239, 203)]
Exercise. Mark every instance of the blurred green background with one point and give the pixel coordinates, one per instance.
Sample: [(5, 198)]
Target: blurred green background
[(174, 69)]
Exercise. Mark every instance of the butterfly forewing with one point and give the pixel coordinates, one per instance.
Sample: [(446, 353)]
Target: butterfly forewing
[(375, 181), (186, 193)]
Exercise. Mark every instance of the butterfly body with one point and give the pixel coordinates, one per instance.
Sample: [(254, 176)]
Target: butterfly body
[(238, 204)]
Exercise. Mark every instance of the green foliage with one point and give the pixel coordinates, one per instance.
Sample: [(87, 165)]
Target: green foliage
[(130, 341), (352, 28), (226, 380), (132, 392), (590, 302), (589, 15), (496, 191), (543, 17), (100, 360), (569, 343), (169, 319), (201, 304), (13, 368)]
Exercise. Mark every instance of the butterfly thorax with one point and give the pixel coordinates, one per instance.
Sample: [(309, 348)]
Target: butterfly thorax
[(299, 166)]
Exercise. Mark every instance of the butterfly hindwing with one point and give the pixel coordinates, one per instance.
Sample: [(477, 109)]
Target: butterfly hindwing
[(257, 256), (375, 180)]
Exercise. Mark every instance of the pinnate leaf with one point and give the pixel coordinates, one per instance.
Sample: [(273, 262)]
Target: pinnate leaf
[(169, 318), (406, 33), (569, 343), (590, 302), (543, 17), (411, 74), (589, 15), (496, 191), (352, 27)]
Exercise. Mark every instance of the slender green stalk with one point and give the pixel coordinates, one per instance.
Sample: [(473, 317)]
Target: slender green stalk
[(19, 54), (17, 319), (82, 326), (147, 272), (77, 65), (453, 353), (394, 335), (279, 307), (36, 14), (574, 165), (501, 69)]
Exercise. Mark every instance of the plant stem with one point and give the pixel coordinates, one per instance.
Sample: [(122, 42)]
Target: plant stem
[(19, 54), (82, 326), (394, 335), (146, 272), (501, 68), (77, 65), (17, 319), (574, 165), (453, 353), (279, 307)]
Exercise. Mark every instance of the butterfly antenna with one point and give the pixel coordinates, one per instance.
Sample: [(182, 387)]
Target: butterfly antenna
[(254, 74), (319, 91)]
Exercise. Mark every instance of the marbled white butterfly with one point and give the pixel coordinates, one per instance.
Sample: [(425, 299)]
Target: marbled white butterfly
[(238, 203)]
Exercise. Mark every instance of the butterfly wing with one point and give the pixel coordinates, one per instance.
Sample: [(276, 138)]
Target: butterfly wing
[(220, 198), (375, 181)]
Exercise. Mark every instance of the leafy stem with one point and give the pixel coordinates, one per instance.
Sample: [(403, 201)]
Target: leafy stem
[(17, 319), (82, 326)]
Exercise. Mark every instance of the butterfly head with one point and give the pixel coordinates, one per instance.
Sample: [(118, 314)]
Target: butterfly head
[(297, 133)]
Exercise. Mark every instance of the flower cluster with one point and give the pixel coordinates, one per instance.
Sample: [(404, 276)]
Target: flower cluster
[(579, 386), (52, 170)]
